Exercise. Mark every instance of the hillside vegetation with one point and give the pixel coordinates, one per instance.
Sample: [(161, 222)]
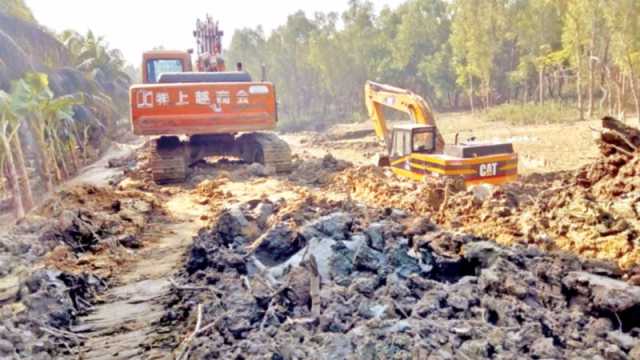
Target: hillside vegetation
[(462, 54), (61, 96)]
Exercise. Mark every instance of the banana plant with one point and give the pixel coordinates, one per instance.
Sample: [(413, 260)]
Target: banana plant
[(45, 114), (30, 94), (15, 123), (6, 134), (58, 114)]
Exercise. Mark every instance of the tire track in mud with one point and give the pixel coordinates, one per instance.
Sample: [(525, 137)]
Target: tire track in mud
[(125, 319)]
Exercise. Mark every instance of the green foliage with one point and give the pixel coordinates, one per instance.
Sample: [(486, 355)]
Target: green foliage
[(18, 9), (460, 54), (91, 54), (532, 114)]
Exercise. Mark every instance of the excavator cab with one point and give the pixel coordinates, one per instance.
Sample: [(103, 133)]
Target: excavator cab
[(409, 139), (412, 138)]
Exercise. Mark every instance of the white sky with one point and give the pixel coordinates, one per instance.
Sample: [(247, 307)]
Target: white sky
[(134, 26)]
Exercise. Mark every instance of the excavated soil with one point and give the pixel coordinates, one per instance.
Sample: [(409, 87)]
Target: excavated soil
[(335, 260), (335, 280)]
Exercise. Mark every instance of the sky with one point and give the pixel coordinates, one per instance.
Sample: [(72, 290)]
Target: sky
[(135, 26)]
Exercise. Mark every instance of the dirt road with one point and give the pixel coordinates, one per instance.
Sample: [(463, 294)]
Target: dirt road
[(126, 316)]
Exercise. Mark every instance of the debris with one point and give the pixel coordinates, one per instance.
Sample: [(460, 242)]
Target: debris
[(257, 169), (363, 277)]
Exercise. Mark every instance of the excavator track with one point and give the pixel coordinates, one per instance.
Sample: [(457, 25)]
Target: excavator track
[(266, 149), (169, 161)]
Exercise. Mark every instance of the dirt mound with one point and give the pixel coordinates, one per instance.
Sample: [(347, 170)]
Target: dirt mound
[(317, 171), (352, 282), (92, 226), (380, 187), (591, 212)]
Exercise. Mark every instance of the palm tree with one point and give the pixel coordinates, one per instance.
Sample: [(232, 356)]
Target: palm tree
[(102, 63), (73, 41)]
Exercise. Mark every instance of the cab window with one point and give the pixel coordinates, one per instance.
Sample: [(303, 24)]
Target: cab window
[(158, 66), (406, 150), (402, 143), (423, 141)]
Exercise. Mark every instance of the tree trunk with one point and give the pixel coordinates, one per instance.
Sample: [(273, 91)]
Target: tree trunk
[(591, 71), (74, 157), (12, 177), (58, 153), (43, 159), (618, 110), (541, 84), (623, 104), (634, 86), (23, 174), (561, 80), (636, 96), (579, 91), (471, 94), (550, 88)]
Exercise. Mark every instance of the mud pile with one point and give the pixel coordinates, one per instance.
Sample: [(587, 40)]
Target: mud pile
[(92, 225), (36, 316), (351, 282), (317, 171), (379, 187), (54, 262)]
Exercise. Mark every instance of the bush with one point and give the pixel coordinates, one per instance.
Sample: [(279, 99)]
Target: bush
[(533, 114)]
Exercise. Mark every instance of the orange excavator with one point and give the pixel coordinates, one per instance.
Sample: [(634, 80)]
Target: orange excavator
[(207, 112)]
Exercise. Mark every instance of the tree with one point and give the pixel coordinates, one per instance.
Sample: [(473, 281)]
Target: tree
[(623, 21), (18, 9), (537, 27), (104, 64), (57, 114), (575, 39), (492, 51)]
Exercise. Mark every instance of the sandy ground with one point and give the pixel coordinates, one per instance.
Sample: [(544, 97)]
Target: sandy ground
[(99, 173)]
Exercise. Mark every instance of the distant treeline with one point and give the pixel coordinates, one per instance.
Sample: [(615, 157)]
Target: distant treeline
[(461, 54)]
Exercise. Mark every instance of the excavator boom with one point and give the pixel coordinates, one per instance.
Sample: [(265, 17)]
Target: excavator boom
[(377, 96)]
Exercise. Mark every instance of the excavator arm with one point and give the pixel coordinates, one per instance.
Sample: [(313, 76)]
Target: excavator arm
[(379, 95)]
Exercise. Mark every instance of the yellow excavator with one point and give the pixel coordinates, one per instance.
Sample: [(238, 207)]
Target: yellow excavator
[(417, 150)]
